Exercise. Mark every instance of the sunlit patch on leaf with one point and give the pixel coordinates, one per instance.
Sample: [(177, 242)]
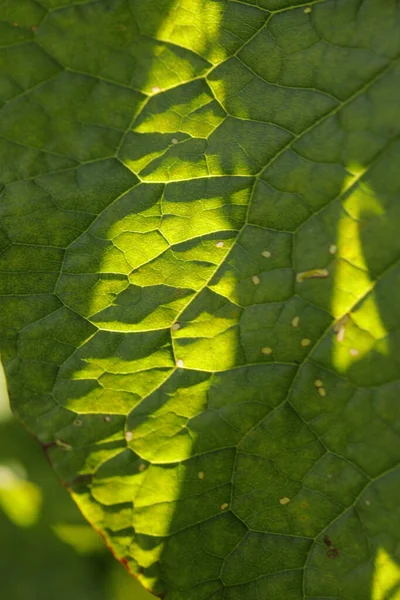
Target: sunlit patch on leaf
[(386, 582)]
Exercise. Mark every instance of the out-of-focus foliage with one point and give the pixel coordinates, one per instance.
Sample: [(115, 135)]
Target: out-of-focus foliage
[(47, 549)]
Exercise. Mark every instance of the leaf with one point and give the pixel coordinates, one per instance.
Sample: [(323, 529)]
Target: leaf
[(200, 283), (43, 533)]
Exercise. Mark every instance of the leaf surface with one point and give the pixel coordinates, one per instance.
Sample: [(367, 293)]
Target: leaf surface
[(199, 279)]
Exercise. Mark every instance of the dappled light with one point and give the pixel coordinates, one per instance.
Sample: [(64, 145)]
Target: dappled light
[(386, 581), (360, 328), (5, 412), (200, 313)]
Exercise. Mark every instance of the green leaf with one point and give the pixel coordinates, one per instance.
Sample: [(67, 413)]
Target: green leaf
[(200, 283), (47, 550)]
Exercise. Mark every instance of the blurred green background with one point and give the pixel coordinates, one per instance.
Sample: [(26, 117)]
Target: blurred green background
[(47, 550)]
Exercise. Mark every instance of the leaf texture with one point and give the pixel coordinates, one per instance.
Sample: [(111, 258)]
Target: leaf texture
[(200, 283)]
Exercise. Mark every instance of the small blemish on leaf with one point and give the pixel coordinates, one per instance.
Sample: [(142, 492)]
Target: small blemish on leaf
[(107, 418), (284, 500), (219, 244), (155, 89), (63, 445), (312, 274), (180, 364), (327, 541), (266, 350), (318, 383), (340, 328), (176, 326), (296, 321), (142, 467), (367, 502), (15, 24), (332, 249), (174, 141), (266, 254), (34, 28), (354, 352), (307, 10), (322, 392), (77, 422), (305, 342), (128, 436), (224, 506), (340, 334), (256, 280), (200, 475), (333, 553)]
